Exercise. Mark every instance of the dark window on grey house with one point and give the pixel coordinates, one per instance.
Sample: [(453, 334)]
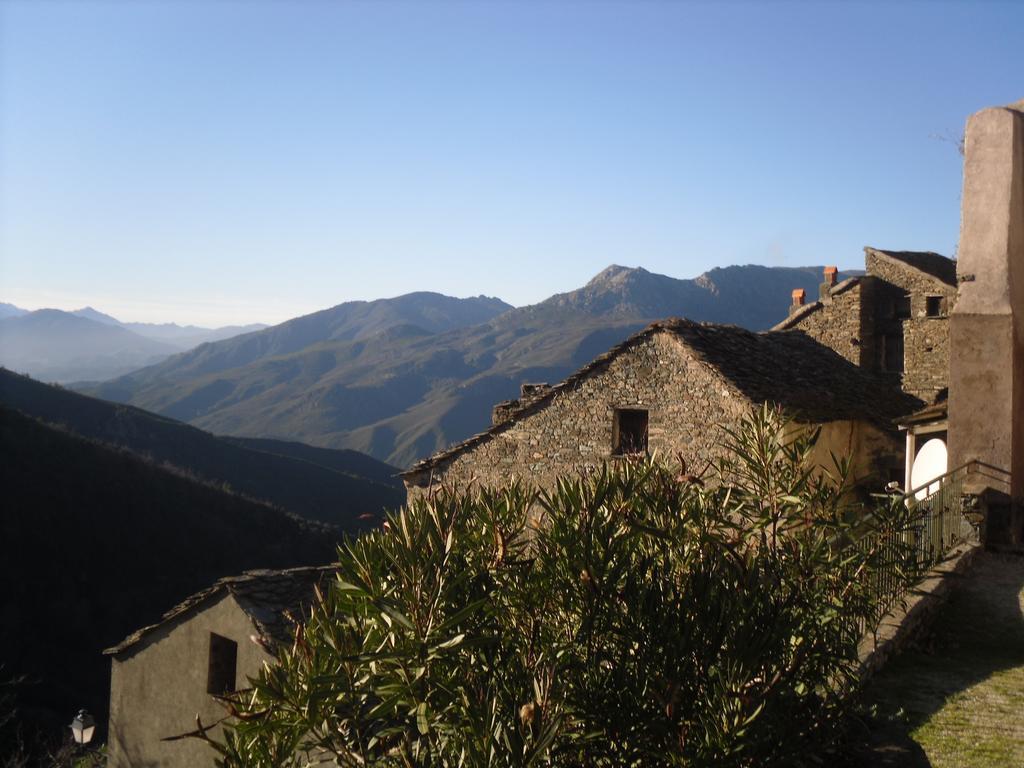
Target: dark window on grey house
[(934, 306), (629, 431), (220, 678), (892, 351)]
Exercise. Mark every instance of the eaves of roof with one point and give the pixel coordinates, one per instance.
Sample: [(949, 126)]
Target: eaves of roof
[(266, 596)]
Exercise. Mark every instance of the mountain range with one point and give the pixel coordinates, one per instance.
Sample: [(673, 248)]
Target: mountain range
[(181, 336), (401, 378), (88, 345)]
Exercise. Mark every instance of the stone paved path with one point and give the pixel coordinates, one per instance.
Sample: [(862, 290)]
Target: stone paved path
[(956, 698)]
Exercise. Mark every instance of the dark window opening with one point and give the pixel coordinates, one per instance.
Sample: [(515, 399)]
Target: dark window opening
[(934, 306), (629, 432), (220, 678), (892, 352), (901, 307)]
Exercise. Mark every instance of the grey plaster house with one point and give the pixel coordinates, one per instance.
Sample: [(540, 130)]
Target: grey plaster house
[(673, 388), (893, 320), (165, 675)]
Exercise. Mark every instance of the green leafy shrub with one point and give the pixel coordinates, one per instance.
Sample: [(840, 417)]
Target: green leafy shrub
[(644, 620)]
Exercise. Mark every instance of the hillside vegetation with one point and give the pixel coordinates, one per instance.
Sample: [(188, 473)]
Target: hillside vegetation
[(95, 542), (342, 488), (397, 387)]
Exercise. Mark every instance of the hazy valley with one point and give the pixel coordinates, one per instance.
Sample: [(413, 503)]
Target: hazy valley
[(88, 345)]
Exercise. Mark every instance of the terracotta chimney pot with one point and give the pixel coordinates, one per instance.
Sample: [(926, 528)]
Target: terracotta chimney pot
[(799, 294), (831, 274)]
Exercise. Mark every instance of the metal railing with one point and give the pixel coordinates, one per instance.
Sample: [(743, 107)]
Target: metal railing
[(942, 521), (939, 521)]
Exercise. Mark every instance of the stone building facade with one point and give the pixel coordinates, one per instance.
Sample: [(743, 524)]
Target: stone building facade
[(893, 320), (673, 389), (165, 676)]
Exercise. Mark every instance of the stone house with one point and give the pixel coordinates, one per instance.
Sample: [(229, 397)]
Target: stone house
[(165, 675), (893, 320), (673, 388)]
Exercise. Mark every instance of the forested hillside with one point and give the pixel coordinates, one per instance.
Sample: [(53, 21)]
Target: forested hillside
[(343, 488), (96, 542)]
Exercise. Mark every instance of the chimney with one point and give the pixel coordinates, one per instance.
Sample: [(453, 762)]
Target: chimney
[(798, 299), (825, 289), (528, 394), (527, 391)]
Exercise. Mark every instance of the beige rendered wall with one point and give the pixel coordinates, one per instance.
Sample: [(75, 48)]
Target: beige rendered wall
[(158, 691), (873, 453), (986, 398)]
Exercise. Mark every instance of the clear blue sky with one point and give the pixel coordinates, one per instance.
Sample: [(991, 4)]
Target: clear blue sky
[(221, 162)]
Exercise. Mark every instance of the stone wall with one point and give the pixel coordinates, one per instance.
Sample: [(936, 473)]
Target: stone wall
[(688, 403), (925, 339), (926, 356), (874, 324), (836, 322)]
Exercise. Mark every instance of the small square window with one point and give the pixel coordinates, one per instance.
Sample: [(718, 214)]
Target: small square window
[(220, 678), (935, 306), (629, 432)]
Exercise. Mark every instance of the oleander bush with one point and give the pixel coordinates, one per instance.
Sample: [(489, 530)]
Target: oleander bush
[(632, 617)]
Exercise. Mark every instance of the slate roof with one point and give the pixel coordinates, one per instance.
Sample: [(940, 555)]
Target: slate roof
[(927, 415), (934, 264), (267, 597), (788, 368)]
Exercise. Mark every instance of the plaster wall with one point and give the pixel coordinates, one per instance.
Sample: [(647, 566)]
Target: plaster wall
[(873, 454), (158, 690), (986, 398)]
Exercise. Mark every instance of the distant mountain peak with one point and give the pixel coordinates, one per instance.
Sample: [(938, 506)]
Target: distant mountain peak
[(9, 310), (94, 314), (614, 273)]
